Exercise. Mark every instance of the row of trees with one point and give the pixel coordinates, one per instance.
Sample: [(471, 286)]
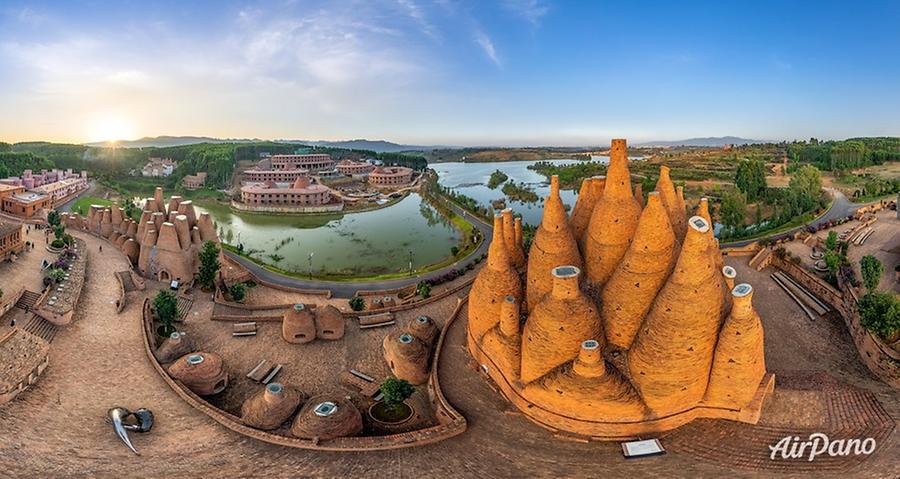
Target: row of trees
[(847, 154), (879, 311)]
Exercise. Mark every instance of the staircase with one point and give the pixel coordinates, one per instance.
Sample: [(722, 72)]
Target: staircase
[(184, 305), (40, 327), (28, 300), (127, 283)]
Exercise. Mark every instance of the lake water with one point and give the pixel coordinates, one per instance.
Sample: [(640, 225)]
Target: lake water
[(356, 244), (471, 180)]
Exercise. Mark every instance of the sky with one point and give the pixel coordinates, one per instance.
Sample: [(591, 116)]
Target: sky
[(444, 72)]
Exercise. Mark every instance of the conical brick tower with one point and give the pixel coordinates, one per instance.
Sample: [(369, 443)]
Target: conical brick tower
[(670, 200), (715, 253), (740, 357), (614, 219), (598, 184), (494, 282), (630, 291), (557, 326), (553, 246), (639, 194), (584, 206), (672, 354), (587, 389), (502, 342), (516, 253)]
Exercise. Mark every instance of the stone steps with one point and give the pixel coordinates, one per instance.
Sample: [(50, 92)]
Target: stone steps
[(28, 300), (41, 328)]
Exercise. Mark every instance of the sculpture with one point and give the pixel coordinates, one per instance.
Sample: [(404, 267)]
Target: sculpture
[(124, 420)]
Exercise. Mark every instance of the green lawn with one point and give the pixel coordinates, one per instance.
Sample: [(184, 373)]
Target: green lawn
[(83, 205)]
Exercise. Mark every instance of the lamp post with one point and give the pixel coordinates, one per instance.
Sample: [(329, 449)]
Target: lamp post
[(310, 263), (410, 263)]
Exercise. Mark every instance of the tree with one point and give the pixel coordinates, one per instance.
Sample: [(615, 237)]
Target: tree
[(58, 231), (209, 265), (166, 305), (237, 291), (832, 241), (806, 185), (733, 209), (396, 391), (872, 269), (53, 218), (454, 250), (750, 178), (423, 289), (880, 314), (357, 303)]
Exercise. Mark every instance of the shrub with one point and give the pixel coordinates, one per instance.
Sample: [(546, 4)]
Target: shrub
[(237, 291), (357, 303), (454, 250), (423, 289), (880, 314), (56, 274), (57, 243), (209, 265), (166, 305), (871, 269), (396, 391)]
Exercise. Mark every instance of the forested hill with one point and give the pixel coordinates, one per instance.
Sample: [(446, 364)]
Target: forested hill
[(845, 154), (218, 159)]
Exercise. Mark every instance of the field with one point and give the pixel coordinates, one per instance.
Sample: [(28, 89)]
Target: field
[(82, 205)]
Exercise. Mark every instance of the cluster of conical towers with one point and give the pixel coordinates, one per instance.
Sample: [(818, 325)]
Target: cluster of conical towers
[(164, 244), (622, 319)]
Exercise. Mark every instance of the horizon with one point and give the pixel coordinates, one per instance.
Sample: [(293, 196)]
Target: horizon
[(514, 73)]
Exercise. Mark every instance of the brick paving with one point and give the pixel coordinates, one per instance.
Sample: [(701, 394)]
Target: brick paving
[(57, 428)]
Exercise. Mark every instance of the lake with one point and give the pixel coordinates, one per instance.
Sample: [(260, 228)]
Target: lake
[(355, 244)]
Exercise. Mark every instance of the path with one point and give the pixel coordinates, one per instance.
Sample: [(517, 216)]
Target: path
[(841, 207), (346, 289)]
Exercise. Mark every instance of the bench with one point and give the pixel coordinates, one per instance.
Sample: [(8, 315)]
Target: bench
[(244, 329), (376, 320), (365, 387), (271, 376)]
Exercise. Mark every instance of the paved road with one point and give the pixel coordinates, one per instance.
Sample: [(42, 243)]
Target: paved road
[(840, 208), (346, 289)]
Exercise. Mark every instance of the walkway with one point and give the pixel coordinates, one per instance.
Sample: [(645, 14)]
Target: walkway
[(346, 289)]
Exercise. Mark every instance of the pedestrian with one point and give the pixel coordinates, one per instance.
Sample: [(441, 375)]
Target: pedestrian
[(101, 248), (13, 324)]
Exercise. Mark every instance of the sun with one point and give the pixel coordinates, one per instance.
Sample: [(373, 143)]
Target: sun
[(111, 129)]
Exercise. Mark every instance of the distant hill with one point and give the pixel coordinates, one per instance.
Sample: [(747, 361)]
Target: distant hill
[(378, 146), (715, 141)]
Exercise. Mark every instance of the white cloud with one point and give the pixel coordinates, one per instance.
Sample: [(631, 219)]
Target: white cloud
[(531, 11), (487, 46)]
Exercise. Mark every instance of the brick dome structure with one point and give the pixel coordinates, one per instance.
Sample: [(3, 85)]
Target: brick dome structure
[(407, 356), (269, 408), (557, 325), (614, 219), (553, 246), (298, 325), (174, 347), (650, 349), (494, 282), (670, 200), (329, 323), (203, 373), (513, 247), (327, 416), (423, 328)]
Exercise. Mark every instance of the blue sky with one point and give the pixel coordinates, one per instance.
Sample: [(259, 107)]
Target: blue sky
[(505, 72)]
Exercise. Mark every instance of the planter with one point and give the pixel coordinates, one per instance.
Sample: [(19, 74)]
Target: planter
[(380, 412)]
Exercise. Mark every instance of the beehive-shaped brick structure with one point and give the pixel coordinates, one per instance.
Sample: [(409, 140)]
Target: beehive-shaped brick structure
[(639, 194), (502, 343), (271, 407), (587, 388), (407, 356), (557, 325), (202, 373), (740, 357), (614, 219), (520, 236), (670, 200), (516, 253), (329, 323), (647, 351), (598, 184), (298, 326), (327, 416), (495, 281), (423, 328), (629, 293), (672, 353), (553, 246)]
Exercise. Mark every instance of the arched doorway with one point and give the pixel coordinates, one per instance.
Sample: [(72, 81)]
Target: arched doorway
[(164, 276)]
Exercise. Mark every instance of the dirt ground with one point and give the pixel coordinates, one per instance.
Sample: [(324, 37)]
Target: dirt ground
[(57, 428)]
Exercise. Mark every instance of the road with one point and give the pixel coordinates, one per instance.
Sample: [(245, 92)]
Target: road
[(841, 207), (346, 289)]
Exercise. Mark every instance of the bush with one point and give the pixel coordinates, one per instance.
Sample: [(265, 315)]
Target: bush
[(57, 243), (880, 314), (238, 292), (357, 303), (454, 250), (166, 305), (871, 269), (56, 274), (423, 289), (396, 390)]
